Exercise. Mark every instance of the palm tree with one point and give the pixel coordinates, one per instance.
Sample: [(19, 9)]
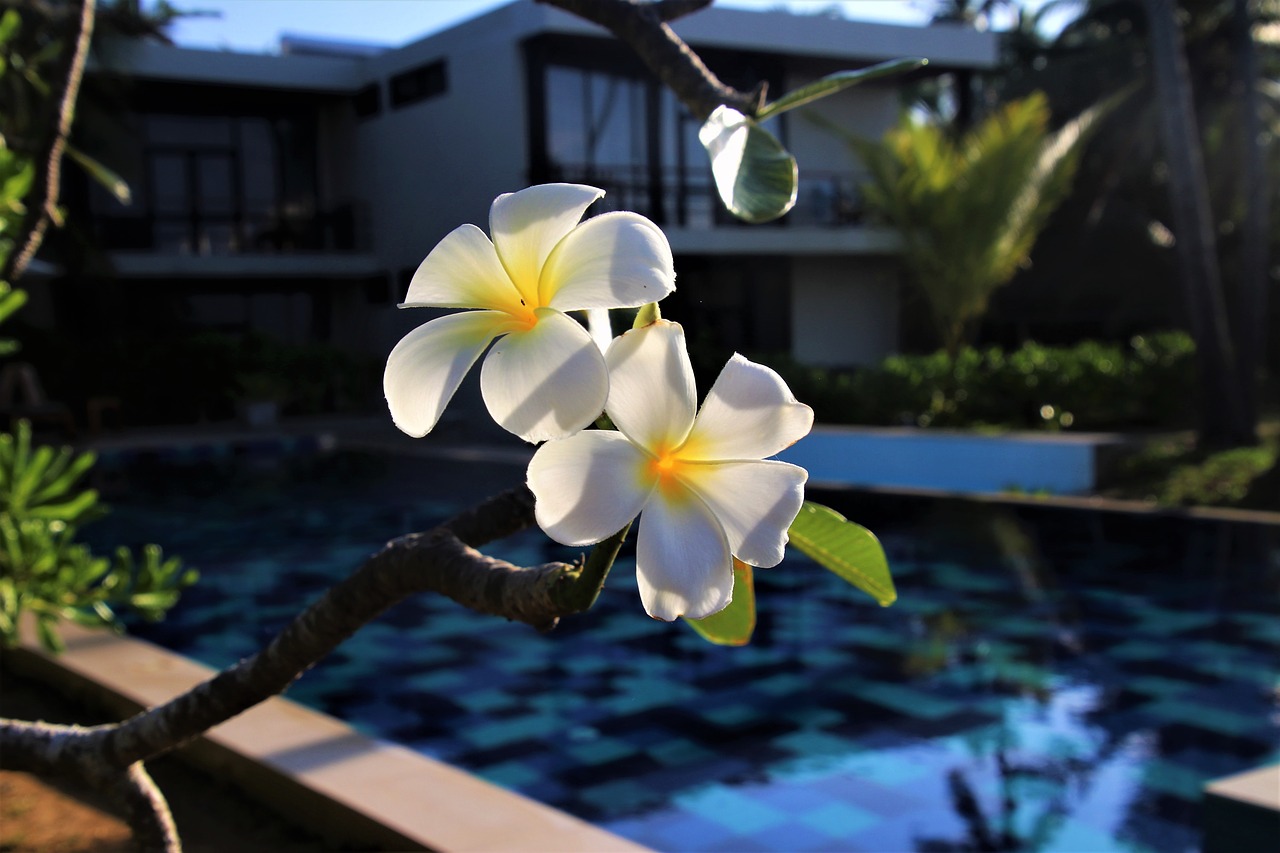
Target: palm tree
[(969, 209), (1205, 84)]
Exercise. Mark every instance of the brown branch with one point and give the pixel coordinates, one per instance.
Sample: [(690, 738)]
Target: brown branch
[(146, 811), (642, 25), (42, 205), (436, 561), (439, 560), (51, 749)]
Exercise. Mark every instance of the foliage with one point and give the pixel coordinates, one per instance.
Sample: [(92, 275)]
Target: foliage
[(44, 570), (756, 177), (1173, 472), (969, 210), (1113, 245), (849, 550), (204, 374), (10, 300), (1087, 386), (734, 625)]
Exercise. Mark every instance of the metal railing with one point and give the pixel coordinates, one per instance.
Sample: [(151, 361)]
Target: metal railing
[(690, 200), (344, 228)]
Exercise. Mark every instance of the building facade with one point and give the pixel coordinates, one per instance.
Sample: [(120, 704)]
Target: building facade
[(295, 194)]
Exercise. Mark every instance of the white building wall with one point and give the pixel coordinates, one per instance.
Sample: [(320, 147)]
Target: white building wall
[(844, 310), (866, 111), (438, 163)]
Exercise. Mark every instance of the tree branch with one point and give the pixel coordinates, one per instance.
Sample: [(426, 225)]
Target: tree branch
[(51, 749), (42, 204), (435, 561), (642, 26), (146, 810)]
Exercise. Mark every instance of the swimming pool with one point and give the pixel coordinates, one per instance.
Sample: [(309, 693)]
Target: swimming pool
[(1047, 679)]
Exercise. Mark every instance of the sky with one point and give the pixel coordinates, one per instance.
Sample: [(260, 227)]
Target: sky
[(256, 25)]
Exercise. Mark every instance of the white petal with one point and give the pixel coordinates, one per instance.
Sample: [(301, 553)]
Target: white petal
[(651, 392), (527, 225), (547, 382), (749, 413), (426, 367), (463, 271), (754, 501), (588, 486), (615, 260), (600, 327), (683, 564)]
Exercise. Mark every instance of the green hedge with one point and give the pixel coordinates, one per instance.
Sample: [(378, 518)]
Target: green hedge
[(1089, 386), (202, 376)]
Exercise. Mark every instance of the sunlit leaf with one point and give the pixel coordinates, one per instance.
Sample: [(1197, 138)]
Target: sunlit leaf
[(109, 180), (10, 22), (733, 625), (848, 549), (755, 176), (833, 83)]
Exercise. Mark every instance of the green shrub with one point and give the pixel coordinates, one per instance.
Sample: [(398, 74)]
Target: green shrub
[(45, 571), (1090, 386)]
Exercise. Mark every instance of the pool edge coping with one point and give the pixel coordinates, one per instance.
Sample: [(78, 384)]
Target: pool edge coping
[(311, 767)]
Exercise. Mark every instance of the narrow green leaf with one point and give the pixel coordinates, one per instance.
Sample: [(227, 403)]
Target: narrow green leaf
[(733, 625), (70, 510), (756, 177), (10, 22), (109, 180), (46, 630), (10, 301), (848, 549), (833, 83)]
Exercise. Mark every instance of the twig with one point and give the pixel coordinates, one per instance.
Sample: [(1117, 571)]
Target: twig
[(642, 25), (42, 205), (146, 811)]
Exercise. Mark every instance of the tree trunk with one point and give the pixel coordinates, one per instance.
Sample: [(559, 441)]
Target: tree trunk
[(1224, 421), (1250, 316)]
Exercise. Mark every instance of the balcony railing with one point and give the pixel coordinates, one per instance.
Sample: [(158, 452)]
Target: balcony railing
[(343, 229), (689, 199)]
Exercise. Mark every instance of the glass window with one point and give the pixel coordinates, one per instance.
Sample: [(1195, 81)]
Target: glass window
[(595, 119), (189, 131), (170, 192), (215, 185)]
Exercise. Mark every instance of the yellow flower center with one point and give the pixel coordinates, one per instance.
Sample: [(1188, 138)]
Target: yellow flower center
[(524, 315), (666, 468)]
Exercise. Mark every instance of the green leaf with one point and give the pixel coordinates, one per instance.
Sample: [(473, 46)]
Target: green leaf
[(10, 301), (848, 549), (833, 83), (9, 24), (69, 510), (756, 177), (733, 625), (46, 630), (109, 180)]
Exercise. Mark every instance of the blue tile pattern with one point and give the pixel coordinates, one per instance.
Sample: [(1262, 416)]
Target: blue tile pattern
[(1049, 679)]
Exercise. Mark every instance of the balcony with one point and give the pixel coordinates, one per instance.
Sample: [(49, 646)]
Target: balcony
[(828, 218), (330, 243)]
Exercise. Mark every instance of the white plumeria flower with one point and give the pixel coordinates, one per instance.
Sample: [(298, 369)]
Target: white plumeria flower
[(701, 485), (545, 378)]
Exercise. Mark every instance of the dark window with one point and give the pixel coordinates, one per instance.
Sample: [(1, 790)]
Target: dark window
[(223, 185), (418, 84), (368, 101)]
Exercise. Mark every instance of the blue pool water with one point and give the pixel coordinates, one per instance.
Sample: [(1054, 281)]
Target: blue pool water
[(1048, 679)]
